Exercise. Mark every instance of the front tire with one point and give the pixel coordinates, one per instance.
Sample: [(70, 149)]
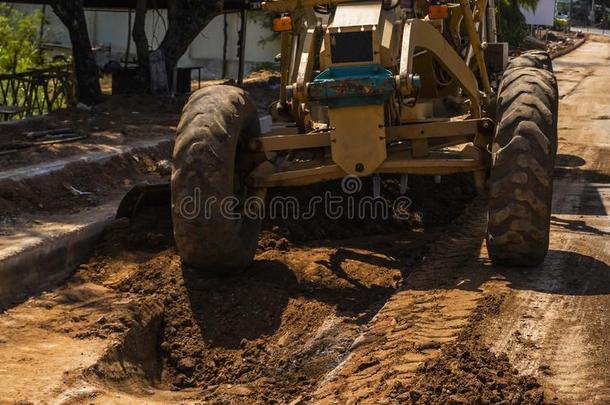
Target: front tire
[(211, 161), (523, 159)]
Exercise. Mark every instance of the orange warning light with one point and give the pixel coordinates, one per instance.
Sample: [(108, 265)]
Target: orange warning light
[(438, 12), (282, 24)]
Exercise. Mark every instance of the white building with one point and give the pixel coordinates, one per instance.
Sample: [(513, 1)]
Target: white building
[(109, 31), (544, 14)]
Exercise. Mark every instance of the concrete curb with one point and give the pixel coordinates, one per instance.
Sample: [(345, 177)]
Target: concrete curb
[(47, 168), (34, 260), (48, 263)]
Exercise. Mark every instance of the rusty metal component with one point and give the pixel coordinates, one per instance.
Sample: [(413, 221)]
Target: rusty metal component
[(358, 85)]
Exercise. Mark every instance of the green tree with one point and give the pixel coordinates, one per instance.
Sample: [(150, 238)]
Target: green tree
[(512, 26), (19, 39)]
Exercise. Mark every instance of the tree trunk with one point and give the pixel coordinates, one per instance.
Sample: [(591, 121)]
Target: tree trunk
[(141, 41), (225, 44), (72, 15), (186, 20)]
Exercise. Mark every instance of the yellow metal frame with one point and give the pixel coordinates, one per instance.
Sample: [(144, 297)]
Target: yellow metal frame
[(302, 174), (409, 132), (357, 143), (475, 41), (419, 34)]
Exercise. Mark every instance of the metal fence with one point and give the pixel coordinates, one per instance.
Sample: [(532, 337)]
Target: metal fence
[(35, 92)]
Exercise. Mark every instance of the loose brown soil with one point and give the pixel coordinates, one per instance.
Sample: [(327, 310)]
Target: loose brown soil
[(258, 330), (117, 121), (273, 332), (467, 372)]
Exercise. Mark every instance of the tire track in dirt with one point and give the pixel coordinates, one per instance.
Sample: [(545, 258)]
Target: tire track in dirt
[(434, 305), (554, 323), (547, 322)]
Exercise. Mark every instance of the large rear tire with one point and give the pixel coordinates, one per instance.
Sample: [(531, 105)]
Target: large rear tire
[(210, 164), (523, 158)]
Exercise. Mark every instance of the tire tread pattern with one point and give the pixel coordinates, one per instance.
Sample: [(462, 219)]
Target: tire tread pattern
[(523, 158), (215, 122)]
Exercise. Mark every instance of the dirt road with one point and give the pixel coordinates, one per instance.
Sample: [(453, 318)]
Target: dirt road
[(411, 316), (551, 322), (555, 321)]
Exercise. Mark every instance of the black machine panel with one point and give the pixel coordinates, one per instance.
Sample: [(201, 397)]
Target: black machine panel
[(349, 47)]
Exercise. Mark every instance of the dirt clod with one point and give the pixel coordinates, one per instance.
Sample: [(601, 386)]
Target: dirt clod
[(429, 345)]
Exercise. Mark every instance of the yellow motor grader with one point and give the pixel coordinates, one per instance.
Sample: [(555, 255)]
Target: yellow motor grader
[(416, 87)]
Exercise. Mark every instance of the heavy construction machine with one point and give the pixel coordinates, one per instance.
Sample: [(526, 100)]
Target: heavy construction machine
[(371, 87)]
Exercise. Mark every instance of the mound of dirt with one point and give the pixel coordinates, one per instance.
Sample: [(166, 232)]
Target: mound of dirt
[(467, 372), (267, 335)]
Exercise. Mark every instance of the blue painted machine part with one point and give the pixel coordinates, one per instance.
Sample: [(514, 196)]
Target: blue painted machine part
[(347, 86)]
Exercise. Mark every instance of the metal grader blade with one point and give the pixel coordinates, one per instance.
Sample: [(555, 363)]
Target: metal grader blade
[(145, 195)]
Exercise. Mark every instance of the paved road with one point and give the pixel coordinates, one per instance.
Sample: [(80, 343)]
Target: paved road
[(591, 30)]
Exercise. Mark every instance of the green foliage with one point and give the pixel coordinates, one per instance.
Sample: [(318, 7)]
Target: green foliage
[(20, 51), (527, 4), (19, 40), (512, 25), (561, 23)]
